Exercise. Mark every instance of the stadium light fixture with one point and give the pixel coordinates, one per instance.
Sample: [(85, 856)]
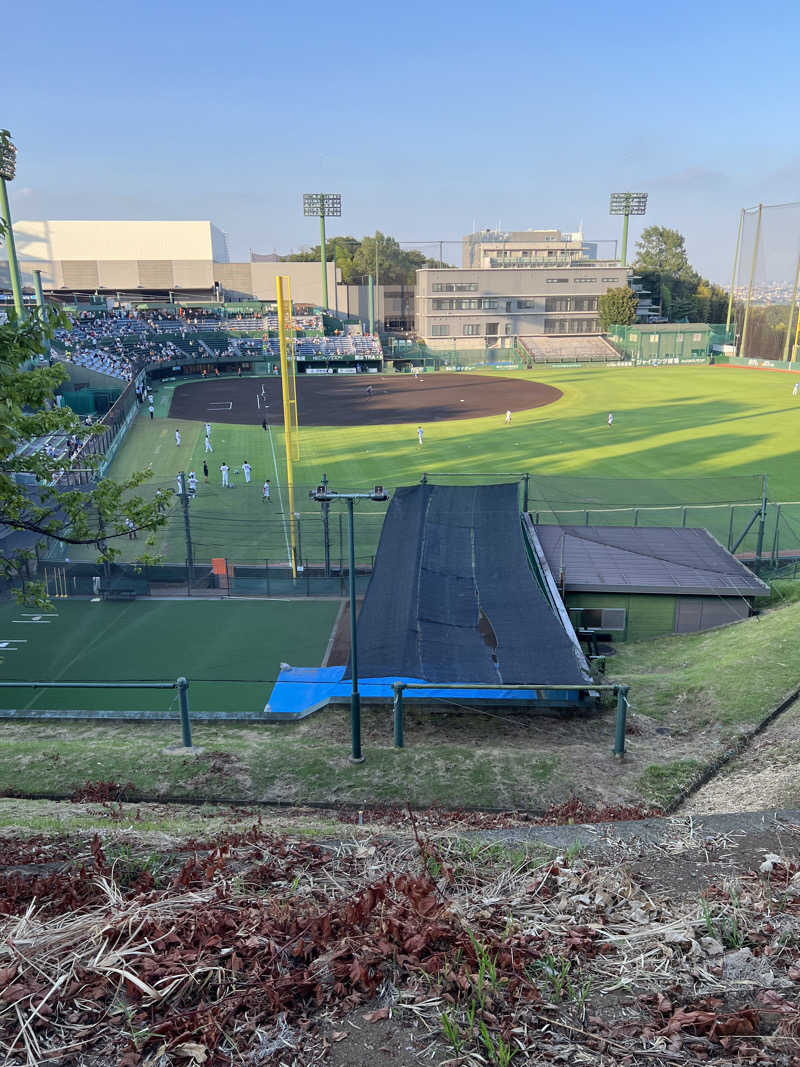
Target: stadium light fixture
[(627, 204), (324, 205), (324, 495), (8, 168)]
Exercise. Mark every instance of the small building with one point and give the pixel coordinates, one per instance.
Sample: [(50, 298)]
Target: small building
[(636, 582), (667, 342)]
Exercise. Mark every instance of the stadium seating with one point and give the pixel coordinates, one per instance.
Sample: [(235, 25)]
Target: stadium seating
[(565, 349), (120, 343)]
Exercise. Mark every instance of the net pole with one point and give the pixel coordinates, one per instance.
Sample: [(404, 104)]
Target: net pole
[(284, 299), (792, 308), (323, 256), (735, 269), (743, 348)]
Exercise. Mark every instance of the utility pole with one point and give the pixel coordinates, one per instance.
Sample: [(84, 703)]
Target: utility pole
[(188, 532), (325, 495), (787, 355), (37, 283), (743, 347), (326, 531), (733, 276)]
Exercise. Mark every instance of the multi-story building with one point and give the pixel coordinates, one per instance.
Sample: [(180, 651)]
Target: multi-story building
[(493, 306), (513, 285)]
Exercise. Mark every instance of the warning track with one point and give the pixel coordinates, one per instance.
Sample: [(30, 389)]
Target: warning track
[(342, 400)]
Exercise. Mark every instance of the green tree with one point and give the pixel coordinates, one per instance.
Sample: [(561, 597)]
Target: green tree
[(617, 307), (356, 259), (98, 515), (663, 250)]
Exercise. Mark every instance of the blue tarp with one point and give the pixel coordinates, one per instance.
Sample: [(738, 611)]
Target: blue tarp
[(301, 690)]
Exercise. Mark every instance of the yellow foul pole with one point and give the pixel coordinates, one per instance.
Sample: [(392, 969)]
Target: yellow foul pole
[(285, 334)]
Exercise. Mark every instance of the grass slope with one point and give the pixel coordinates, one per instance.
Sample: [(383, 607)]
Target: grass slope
[(668, 422), (452, 760)]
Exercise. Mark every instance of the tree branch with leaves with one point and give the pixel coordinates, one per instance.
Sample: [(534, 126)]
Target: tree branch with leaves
[(32, 500)]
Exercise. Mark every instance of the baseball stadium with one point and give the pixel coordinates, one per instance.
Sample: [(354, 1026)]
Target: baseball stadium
[(486, 530)]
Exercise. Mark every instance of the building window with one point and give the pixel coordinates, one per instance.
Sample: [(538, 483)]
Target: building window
[(556, 281), (471, 329), (610, 278), (598, 618), (488, 305), (523, 304), (557, 303), (440, 331), (454, 287), (508, 328), (584, 303), (443, 305)]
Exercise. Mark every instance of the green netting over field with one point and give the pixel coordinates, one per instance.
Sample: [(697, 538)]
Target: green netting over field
[(556, 491)]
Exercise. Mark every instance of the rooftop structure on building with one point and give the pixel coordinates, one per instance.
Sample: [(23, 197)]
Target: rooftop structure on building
[(525, 248)]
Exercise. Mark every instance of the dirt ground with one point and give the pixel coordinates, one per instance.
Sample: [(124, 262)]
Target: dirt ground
[(161, 936), (343, 400), (765, 775)]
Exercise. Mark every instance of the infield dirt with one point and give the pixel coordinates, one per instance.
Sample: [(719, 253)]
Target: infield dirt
[(346, 400)]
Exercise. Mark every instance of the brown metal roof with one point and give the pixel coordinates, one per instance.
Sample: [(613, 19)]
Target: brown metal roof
[(645, 559)]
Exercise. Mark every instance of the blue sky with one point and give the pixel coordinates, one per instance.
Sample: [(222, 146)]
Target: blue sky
[(426, 117)]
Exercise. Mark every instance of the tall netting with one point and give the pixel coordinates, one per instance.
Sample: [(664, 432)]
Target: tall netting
[(727, 506), (561, 493), (766, 282)]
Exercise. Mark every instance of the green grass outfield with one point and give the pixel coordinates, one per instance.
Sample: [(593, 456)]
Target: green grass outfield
[(229, 650), (673, 421)]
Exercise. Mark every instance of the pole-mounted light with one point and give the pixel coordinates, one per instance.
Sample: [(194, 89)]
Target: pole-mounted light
[(324, 495), (627, 204), (8, 168), (324, 205), (8, 157)]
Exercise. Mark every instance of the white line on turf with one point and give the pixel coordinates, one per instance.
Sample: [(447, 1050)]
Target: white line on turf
[(280, 495)]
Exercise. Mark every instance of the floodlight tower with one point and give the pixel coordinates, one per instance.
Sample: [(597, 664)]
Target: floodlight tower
[(627, 204), (8, 167), (325, 205)]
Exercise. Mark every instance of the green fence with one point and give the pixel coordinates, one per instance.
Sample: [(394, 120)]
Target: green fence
[(467, 358), (758, 364), (677, 342)]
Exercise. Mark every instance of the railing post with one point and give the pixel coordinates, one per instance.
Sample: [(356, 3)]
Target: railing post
[(183, 701), (622, 713), (776, 535), (398, 714)]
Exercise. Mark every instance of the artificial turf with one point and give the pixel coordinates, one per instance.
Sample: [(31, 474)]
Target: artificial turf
[(230, 651), (669, 422)]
